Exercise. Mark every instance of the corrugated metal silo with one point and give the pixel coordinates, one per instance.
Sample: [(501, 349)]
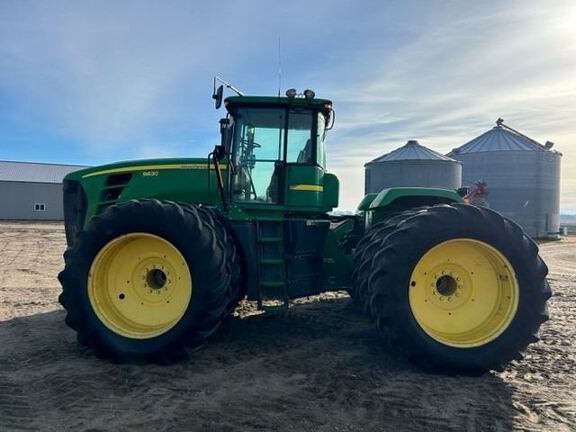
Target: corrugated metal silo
[(522, 177), (412, 165)]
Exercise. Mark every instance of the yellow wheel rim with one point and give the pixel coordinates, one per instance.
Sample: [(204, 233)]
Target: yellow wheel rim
[(139, 285), (463, 293)]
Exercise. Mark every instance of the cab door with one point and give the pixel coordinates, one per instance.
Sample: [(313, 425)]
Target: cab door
[(304, 174), (258, 154)]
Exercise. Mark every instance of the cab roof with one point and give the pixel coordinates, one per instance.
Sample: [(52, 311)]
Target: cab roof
[(232, 101)]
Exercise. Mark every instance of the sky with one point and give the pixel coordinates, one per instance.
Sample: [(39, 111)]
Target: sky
[(92, 82)]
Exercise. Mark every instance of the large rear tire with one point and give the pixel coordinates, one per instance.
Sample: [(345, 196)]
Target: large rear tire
[(457, 288), (148, 279)]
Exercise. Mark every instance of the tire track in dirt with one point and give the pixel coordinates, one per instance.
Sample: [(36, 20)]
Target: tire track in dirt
[(14, 406), (270, 372)]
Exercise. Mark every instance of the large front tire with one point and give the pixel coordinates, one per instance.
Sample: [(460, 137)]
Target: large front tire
[(148, 279), (457, 288)]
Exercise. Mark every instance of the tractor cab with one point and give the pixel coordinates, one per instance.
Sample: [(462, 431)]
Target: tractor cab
[(276, 153)]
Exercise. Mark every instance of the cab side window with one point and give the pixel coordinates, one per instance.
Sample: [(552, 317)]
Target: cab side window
[(300, 141), (321, 141)]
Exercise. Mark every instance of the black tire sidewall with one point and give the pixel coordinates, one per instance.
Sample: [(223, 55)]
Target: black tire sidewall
[(162, 220), (491, 229)]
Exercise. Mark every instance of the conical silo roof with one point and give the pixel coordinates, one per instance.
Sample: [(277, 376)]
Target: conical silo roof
[(412, 150), (499, 138), (522, 175)]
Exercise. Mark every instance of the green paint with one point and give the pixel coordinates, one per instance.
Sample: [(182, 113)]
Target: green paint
[(403, 198), (188, 180), (337, 265), (366, 201), (388, 196)]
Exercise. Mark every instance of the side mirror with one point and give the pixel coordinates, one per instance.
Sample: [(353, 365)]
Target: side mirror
[(219, 152), (330, 120), (217, 96)]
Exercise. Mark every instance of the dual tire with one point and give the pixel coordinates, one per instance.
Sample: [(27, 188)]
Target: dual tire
[(147, 280), (455, 288)]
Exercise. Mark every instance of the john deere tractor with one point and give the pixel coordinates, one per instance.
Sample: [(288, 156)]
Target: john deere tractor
[(161, 251)]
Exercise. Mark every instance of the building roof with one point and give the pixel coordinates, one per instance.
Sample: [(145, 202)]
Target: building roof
[(499, 138), (33, 172), (412, 150)]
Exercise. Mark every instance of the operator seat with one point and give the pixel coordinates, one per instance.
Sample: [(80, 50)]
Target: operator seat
[(305, 155), (241, 184), (274, 188)]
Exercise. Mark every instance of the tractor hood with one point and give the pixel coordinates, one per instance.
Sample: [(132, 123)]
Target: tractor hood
[(141, 166), (191, 180)]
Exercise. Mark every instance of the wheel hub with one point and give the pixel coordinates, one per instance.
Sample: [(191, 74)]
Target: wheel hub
[(156, 279), (446, 285)]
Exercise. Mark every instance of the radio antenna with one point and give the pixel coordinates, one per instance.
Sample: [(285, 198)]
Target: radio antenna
[(279, 68)]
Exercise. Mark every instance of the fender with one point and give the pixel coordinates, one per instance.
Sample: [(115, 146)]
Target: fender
[(379, 206)]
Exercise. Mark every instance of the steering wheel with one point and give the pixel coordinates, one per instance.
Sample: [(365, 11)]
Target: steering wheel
[(253, 144)]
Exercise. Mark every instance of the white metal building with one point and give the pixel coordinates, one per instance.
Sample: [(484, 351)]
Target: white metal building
[(32, 191)]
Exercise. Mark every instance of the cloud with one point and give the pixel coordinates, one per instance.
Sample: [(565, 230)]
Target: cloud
[(104, 80), (105, 74), (450, 83)]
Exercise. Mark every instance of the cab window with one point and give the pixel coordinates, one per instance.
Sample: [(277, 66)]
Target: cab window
[(258, 148), (321, 140), (300, 143)]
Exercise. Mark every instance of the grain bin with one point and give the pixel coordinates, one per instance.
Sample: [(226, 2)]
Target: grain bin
[(522, 176), (412, 165)]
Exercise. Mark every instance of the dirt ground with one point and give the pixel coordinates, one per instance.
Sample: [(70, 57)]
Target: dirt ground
[(319, 367)]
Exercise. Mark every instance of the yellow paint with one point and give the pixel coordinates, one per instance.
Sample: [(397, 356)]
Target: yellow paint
[(154, 168), (463, 293), (307, 187), (139, 285)]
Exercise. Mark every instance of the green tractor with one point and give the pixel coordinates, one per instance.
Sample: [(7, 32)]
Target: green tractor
[(161, 251)]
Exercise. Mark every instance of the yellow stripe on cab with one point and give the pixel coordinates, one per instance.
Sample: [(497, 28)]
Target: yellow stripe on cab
[(307, 187)]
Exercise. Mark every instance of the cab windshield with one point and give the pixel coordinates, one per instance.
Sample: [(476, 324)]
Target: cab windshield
[(265, 139)]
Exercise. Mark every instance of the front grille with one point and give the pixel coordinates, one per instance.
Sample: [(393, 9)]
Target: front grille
[(112, 190), (74, 209)]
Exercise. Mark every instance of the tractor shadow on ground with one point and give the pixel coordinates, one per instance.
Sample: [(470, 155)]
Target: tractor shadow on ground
[(319, 366)]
